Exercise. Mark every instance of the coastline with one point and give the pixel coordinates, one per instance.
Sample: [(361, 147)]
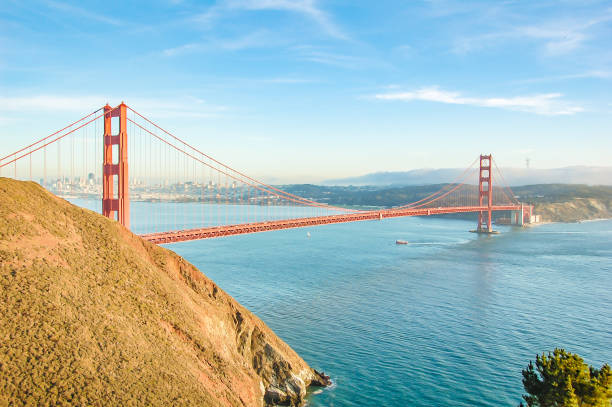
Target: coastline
[(594, 220), (531, 225)]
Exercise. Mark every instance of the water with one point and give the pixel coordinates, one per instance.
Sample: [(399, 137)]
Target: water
[(149, 217), (448, 320)]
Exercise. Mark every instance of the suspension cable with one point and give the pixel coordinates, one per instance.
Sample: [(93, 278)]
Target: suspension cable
[(460, 177), (270, 187)]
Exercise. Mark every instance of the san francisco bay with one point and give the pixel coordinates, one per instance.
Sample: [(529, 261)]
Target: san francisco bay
[(449, 319)]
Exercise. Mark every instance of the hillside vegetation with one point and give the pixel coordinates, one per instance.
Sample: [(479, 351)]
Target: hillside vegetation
[(575, 210), (90, 314), (568, 202)]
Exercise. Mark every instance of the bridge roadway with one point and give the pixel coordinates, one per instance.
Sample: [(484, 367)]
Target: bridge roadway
[(231, 230)]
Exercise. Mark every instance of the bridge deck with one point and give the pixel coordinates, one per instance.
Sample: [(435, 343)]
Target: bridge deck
[(231, 230)]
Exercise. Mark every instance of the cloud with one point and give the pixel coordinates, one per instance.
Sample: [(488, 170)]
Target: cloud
[(287, 80), (185, 107), (307, 8), (466, 45), (545, 104), (257, 39), (451, 8), (182, 49), (326, 57), (51, 103), (557, 40), (81, 12), (404, 51), (558, 37), (595, 74), (333, 59)]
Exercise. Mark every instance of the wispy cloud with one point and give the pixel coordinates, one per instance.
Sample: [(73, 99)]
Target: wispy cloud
[(595, 74), (544, 104), (557, 40), (558, 37), (82, 13), (307, 8), (404, 51), (50, 103), (182, 49), (447, 8), (326, 56), (287, 80), (183, 107), (256, 39), (334, 59)]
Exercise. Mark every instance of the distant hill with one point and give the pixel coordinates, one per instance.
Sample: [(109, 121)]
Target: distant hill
[(513, 176), (91, 314), (576, 210), (568, 203)]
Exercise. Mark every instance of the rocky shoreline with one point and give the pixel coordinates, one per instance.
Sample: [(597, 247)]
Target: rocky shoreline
[(293, 391)]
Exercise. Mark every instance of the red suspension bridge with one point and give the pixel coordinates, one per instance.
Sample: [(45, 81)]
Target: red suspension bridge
[(180, 193)]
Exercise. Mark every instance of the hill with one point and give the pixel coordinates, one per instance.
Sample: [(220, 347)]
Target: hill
[(90, 314), (514, 176), (568, 203), (575, 210)]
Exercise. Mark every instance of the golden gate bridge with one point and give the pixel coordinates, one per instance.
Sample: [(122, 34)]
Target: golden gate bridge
[(89, 158)]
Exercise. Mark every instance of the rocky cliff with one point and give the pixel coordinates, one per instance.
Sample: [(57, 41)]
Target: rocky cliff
[(90, 314), (575, 210)]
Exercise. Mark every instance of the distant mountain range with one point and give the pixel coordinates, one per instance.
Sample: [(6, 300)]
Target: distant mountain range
[(513, 176)]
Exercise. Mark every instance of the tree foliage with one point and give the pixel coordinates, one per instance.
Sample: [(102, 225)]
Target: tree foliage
[(562, 379)]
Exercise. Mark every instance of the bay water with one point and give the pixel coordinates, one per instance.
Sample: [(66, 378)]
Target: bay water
[(448, 320)]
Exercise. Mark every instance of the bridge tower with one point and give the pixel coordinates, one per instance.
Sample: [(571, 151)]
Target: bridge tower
[(485, 193), (117, 206)]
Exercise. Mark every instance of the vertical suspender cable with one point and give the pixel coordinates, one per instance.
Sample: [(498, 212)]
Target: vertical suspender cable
[(72, 136), (59, 166)]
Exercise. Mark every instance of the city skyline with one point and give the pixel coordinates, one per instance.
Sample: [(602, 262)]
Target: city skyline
[(322, 89)]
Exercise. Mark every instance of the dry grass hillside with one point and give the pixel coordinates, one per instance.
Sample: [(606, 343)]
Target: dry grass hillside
[(575, 210), (90, 314)]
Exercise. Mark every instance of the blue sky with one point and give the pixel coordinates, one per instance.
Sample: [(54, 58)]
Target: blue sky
[(307, 90)]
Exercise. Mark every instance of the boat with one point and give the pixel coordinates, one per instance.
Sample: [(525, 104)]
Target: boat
[(401, 242)]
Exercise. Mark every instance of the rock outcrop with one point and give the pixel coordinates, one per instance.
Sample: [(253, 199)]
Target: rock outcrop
[(90, 314), (575, 210)]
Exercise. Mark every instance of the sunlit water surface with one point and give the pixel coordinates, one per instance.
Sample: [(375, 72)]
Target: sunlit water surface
[(448, 320)]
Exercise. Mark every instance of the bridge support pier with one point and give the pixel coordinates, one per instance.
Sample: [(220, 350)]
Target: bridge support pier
[(115, 207), (485, 194), (518, 217)]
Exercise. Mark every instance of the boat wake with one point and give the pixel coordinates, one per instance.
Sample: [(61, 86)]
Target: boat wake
[(435, 243), (561, 233)]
